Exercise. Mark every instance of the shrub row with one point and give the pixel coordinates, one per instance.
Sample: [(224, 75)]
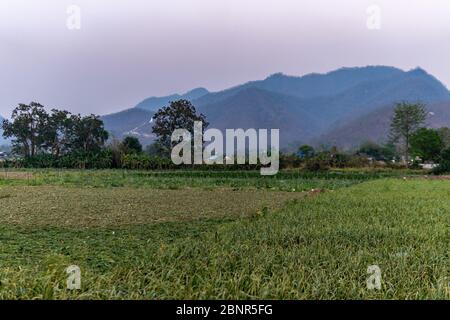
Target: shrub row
[(95, 160), (106, 159)]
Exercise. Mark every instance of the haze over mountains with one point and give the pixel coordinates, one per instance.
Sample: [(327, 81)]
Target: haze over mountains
[(344, 107), (154, 103)]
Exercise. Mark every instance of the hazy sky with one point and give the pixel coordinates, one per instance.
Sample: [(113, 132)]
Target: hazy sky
[(127, 50)]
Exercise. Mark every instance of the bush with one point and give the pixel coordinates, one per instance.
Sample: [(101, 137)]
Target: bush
[(356, 161), (145, 162), (84, 160), (148, 162), (317, 164), (325, 160), (289, 161), (444, 165)]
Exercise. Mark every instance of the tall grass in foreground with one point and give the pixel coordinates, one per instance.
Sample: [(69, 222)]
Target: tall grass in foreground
[(316, 248)]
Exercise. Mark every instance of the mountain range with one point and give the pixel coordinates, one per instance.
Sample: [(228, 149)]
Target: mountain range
[(345, 107)]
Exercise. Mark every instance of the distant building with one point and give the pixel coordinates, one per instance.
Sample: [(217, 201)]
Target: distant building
[(429, 166)]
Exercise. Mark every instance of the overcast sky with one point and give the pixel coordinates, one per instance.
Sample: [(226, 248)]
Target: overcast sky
[(127, 50)]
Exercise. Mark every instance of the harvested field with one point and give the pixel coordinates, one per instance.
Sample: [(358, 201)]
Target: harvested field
[(95, 207)]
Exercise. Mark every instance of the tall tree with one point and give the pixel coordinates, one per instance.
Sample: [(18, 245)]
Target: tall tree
[(131, 145), (378, 152), (408, 118), (34, 131), (306, 151), (155, 149), (426, 144), (180, 114), (444, 162), (87, 134), (58, 132), (27, 127), (444, 134)]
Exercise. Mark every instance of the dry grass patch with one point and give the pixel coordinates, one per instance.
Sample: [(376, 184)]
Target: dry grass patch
[(16, 175), (104, 207)]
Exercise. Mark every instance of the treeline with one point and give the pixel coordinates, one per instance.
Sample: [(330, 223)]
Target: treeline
[(410, 144), (35, 132), (55, 139), (59, 139)]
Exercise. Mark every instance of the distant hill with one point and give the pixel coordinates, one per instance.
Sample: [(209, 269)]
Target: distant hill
[(131, 122), (367, 96), (260, 109), (315, 108), (310, 86), (155, 103), (375, 126)]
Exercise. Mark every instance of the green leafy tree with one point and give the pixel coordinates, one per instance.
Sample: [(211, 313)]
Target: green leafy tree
[(87, 134), (306, 151), (444, 134), (426, 144), (28, 128), (408, 118), (376, 151), (117, 155), (444, 162), (180, 114), (57, 131), (155, 149), (131, 145), (56, 139)]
